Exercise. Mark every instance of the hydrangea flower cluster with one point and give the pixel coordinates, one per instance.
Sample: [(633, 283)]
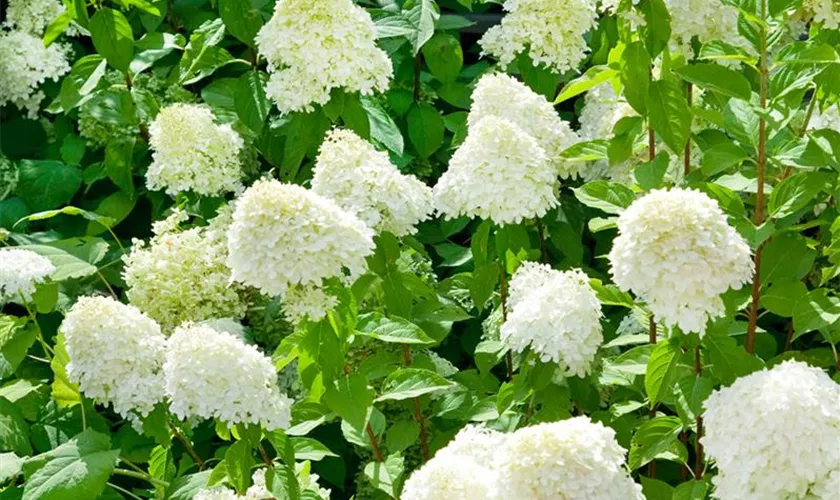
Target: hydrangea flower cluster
[(20, 272), (191, 152), (552, 32), (574, 458), (183, 275), (116, 354), (363, 181), (307, 302), (259, 490), (24, 65), (828, 118), (789, 449), (556, 314), (212, 374), (499, 173), (284, 235), (315, 47), (826, 12), (502, 96), (462, 470), (708, 20), (32, 16), (676, 250), (602, 109)]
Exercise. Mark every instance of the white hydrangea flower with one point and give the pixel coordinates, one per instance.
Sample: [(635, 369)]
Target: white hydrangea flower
[(708, 20), (182, 276), (552, 32), (20, 272), (676, 250), (502, 96), (226, 325), (362, 180), (499, 173), (829, 118), (259, 490), (602, 109), (315, 47), (191, 152), (24, 65), (284, 235), (826, 12), (790, 447), (212, 374), (574, 458), (32, 16), (116, 354), (307, 302), (555, 313), (462, 470)]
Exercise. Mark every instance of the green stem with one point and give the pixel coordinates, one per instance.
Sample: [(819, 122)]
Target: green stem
[(141, 476)]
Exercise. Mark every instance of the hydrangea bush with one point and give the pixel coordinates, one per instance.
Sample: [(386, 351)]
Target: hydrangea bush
[(420, 249)]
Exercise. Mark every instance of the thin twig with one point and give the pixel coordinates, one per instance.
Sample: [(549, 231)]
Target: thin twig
[(503, 298), (759, 199), (143, 476), (543, 245), (188, 446), (698, 446), (266, 459), (418, 414), (377, 454)]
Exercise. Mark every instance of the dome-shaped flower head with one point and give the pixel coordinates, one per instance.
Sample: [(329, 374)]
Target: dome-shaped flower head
[(315, 47), (363, 181), (116, 354), (676, 250), (825, 12), (191, 152), (789, 447), (499, 173), (20, 272), (32, 16), (551, 31), (502, 96), (555, 313), (183, 276), (707, 20), (284, 235), (462, 470), (212, 374), (24, 65), (574, 458)]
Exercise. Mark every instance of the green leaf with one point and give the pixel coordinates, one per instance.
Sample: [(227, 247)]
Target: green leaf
[(67, 265), (382, 126), (611, 295), (722, 156), (82, 80), (483, 284), (658, 26), (654, 489), (610, 197), (119, 163), (408, 383), (64, 392), (425, 129), (386, 475), (310, 449), (162, 465), (795, 193), (186, 487), (10, 467), (421, 17), (649, 174), (654, 437), (593, 77), (635, 75), (691, 391), (786, 257), (815, 311), (202, 56), (153, 47), (252, 104), (669, 114), (778, 7), (661, 371), (14, 432), (57, 27), (114, 208), (741, 121), (444, 57), (45, 185), (782, 296), (243, 18), (402, 435), (238, 463), (16, 337), (716, 78), (586, 151), (78, 468), (112, 37), (727, 359), (692, 490), (393, 329), (351, 398)]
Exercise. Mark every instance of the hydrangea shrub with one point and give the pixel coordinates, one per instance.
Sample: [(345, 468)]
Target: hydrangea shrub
[(420, 249)]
